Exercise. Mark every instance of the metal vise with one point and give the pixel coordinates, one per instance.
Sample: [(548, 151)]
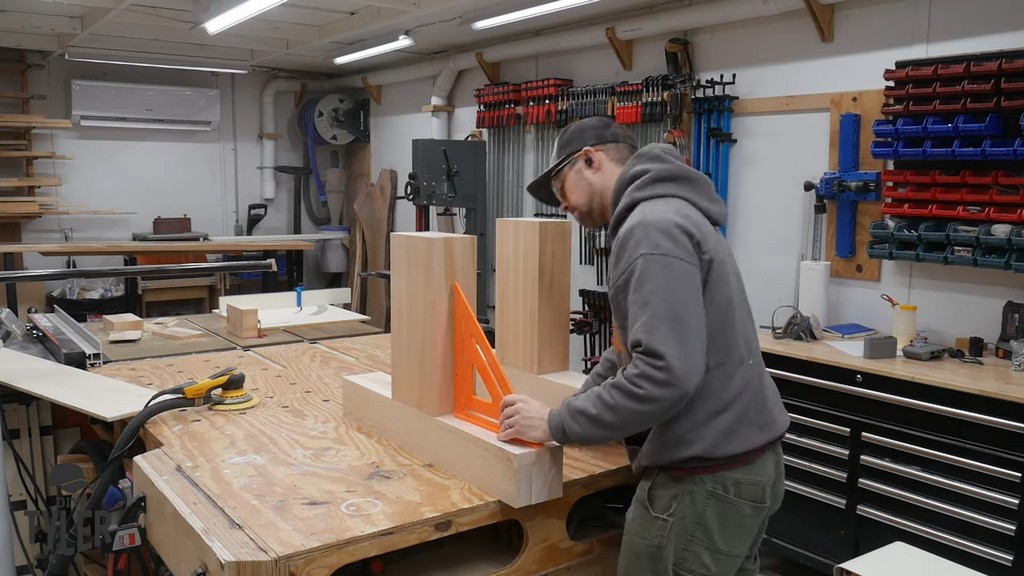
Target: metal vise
[(847, 186)]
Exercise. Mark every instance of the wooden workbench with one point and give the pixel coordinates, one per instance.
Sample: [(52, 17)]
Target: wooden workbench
[(291, 488), (130, 248), (993, 379)]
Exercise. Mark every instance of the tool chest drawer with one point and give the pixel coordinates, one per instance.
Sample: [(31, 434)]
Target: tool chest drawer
[(888, 459)]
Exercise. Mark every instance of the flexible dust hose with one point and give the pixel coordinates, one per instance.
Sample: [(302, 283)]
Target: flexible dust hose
[(307, 126), (60, 562)]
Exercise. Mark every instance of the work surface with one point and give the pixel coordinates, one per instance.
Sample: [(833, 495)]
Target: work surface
[(128, 248), (993, 379), (294, 478)]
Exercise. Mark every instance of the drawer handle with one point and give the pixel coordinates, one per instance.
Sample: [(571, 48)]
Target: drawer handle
[(815, 494), (817, 446), (941, 507), (819, 424), (943, 457), (954, 485), (816, 468), (901, 401), (930, 533)]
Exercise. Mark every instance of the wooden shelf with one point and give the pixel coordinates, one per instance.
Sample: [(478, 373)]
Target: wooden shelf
[(29, 182), (34, 155), (28, 121), (22, 96)]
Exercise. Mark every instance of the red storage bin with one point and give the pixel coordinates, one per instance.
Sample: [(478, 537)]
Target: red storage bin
[(949, 193), (895, 192), (980, 177), (895, 176), (945, 210), (897, 91), (1005, 214), (949, 177), (918, 192), (973, 212), (1010, 195), (920, 176), (925, 72), (985, 68), (917, 210), (974, 195), (1010, 178), (1013, 66), (895, 75), (981, 86), (952, 70)]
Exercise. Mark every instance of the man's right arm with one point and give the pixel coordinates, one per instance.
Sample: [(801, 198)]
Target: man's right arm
[(605, 369)]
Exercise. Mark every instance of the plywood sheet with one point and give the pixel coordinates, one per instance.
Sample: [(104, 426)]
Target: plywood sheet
[(371, 351), (101, 397), (218, 325), (153, 346), (333, 330)]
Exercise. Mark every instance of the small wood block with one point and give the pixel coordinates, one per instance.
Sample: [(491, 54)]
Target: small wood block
[(515, 474), (438, 108), (243, 321), (533, 259), (424, 265), (122, 323), (125, 336)]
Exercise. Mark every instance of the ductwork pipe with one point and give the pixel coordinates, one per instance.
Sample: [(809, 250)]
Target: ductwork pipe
[(644, 26)]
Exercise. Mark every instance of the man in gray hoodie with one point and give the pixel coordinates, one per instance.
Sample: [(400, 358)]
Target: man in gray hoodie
[(684, 386)]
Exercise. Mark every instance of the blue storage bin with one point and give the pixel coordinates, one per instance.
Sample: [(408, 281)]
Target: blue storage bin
[(938, 127), (986, 238), (879, 250), (905, 251), (909, 127), (932, 253), (906, 232), (883, 128), (1017, 260), (910, 149), (933, 231), (968, 149), (962, 234), (883, 150), (938, 149), (880, 231), (1000, 149), (1017, 237), (960, 255), (993, 258), (989, 125)]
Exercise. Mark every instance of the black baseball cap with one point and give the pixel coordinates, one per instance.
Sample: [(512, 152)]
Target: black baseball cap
[(592, 131)]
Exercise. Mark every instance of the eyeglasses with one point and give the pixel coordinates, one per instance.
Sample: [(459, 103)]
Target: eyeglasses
[(555, 185)]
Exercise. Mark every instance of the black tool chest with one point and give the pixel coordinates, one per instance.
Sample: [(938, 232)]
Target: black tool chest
[(871, 459)]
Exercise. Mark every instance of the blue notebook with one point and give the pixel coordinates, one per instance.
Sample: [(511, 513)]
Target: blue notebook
[(849, 330)]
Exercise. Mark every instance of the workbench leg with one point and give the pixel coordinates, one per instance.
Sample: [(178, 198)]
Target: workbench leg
[(12, 287)]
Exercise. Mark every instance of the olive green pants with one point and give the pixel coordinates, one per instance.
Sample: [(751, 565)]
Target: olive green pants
[(702, 525)]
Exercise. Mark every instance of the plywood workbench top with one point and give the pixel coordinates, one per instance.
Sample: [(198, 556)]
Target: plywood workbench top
[(116, 248), (993, 379), (308, 490)]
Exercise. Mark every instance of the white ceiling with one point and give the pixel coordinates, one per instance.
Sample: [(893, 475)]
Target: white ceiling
[(300, 35)]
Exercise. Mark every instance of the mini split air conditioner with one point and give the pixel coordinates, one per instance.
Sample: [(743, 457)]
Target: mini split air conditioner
[(122, 105)]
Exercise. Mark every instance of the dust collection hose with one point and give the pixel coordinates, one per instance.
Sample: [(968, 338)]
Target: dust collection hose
[(60, 562), (307, 126)]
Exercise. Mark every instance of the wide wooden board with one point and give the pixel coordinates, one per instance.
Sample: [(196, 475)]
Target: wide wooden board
[(287, 299), (994, 379), (101, 397), (374, 208)]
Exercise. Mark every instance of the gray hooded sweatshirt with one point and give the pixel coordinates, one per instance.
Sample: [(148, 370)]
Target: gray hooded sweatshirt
[(688, 386)]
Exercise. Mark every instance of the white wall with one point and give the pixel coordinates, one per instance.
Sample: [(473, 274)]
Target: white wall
[(161, 173), (775, 56)]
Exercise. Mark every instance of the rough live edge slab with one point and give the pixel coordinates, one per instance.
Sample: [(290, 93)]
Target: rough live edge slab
[(517, 475)]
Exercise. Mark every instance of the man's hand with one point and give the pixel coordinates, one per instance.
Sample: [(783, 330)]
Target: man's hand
[(524, 418)]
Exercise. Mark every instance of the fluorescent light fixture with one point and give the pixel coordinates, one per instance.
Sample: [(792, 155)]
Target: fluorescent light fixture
[(86, 121), (155, 61), (238, 14), (402, 42), (528, 13)]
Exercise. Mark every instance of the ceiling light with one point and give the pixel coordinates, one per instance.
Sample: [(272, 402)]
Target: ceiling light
[(155, 61), (238, 14), (528, 13), (402, 42)]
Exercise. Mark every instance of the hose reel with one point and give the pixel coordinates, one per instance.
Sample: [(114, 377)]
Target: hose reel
[(335, 119)]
